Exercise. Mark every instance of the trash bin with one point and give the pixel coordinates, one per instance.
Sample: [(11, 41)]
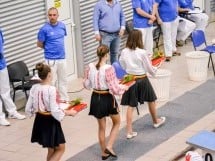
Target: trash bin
[(197, 63), (161, 84)]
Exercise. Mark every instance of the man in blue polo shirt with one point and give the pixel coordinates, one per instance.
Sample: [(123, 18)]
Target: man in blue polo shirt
[(5, 90), (51, 39), (167, 16), (143, 18), (109, 25), (200, 19)]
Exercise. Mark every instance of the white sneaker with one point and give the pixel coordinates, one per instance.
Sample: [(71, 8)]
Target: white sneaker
[(132, 135), (4, 122), (163, 119), (16, 115)]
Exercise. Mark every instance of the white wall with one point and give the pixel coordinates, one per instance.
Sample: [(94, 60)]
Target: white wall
[(199, 3)]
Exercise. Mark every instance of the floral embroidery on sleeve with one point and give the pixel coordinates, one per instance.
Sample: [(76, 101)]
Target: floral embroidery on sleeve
[(113, 82)]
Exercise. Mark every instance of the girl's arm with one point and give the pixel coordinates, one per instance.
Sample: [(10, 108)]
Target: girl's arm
[(29, 108), (86, 81), (148, 65), (113, 82), (56, 111), (157, 13)]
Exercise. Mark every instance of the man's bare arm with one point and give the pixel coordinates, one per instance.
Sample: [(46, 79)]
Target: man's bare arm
[(157, 14)]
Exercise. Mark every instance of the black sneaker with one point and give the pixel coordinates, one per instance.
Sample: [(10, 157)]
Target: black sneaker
[(179, 43)]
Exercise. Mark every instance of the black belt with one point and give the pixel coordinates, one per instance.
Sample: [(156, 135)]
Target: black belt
[(109, 32)]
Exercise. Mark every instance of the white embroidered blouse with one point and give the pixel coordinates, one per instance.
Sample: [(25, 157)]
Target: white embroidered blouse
[(102, 79), (136, 62), (43, 98)]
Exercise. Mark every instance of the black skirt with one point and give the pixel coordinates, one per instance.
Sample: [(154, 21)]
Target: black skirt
[(103, 105), (142, 91), (47, 131)]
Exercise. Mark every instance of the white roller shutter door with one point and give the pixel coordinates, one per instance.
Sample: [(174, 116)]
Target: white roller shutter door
[(20, 21)]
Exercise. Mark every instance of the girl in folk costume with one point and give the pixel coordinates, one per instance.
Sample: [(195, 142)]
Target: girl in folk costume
[(43, 100), (134, 59), (102, 78)]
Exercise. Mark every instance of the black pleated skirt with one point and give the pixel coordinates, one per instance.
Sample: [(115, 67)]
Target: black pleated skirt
[(103, 105), (142, 91), (47, 131)]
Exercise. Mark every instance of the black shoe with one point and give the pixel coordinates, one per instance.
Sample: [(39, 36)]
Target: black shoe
[(106, 157), (168, 59), (179, 43), (176, 53), (111, 154)]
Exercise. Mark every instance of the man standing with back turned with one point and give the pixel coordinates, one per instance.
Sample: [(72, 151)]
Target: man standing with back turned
[(109, 25), (51, 39)]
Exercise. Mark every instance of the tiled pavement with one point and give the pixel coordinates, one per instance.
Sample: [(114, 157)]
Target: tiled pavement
[(81, 131)]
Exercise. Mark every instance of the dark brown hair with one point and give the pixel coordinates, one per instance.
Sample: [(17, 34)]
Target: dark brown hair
[(43, 70), (134, 40), (102, 50)]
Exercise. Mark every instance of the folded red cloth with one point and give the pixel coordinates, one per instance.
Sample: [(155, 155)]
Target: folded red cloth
[(78, 107), (157, 61)]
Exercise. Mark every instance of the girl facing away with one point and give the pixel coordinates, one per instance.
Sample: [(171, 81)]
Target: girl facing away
[(102, 79), (44, 101), (134, 59)]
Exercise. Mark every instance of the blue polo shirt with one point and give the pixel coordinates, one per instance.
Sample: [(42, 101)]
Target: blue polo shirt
[(186, 4), (107, 17), (168, 9), (52, 36), (2, 59), (138, 20)]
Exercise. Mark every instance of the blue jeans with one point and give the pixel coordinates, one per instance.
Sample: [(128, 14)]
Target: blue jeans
[(113, 42)]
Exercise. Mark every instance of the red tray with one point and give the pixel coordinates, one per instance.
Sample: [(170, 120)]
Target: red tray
[(158, 61), (78, 107)]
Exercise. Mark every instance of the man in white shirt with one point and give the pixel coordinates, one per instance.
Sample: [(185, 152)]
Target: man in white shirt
[(5, 91)]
